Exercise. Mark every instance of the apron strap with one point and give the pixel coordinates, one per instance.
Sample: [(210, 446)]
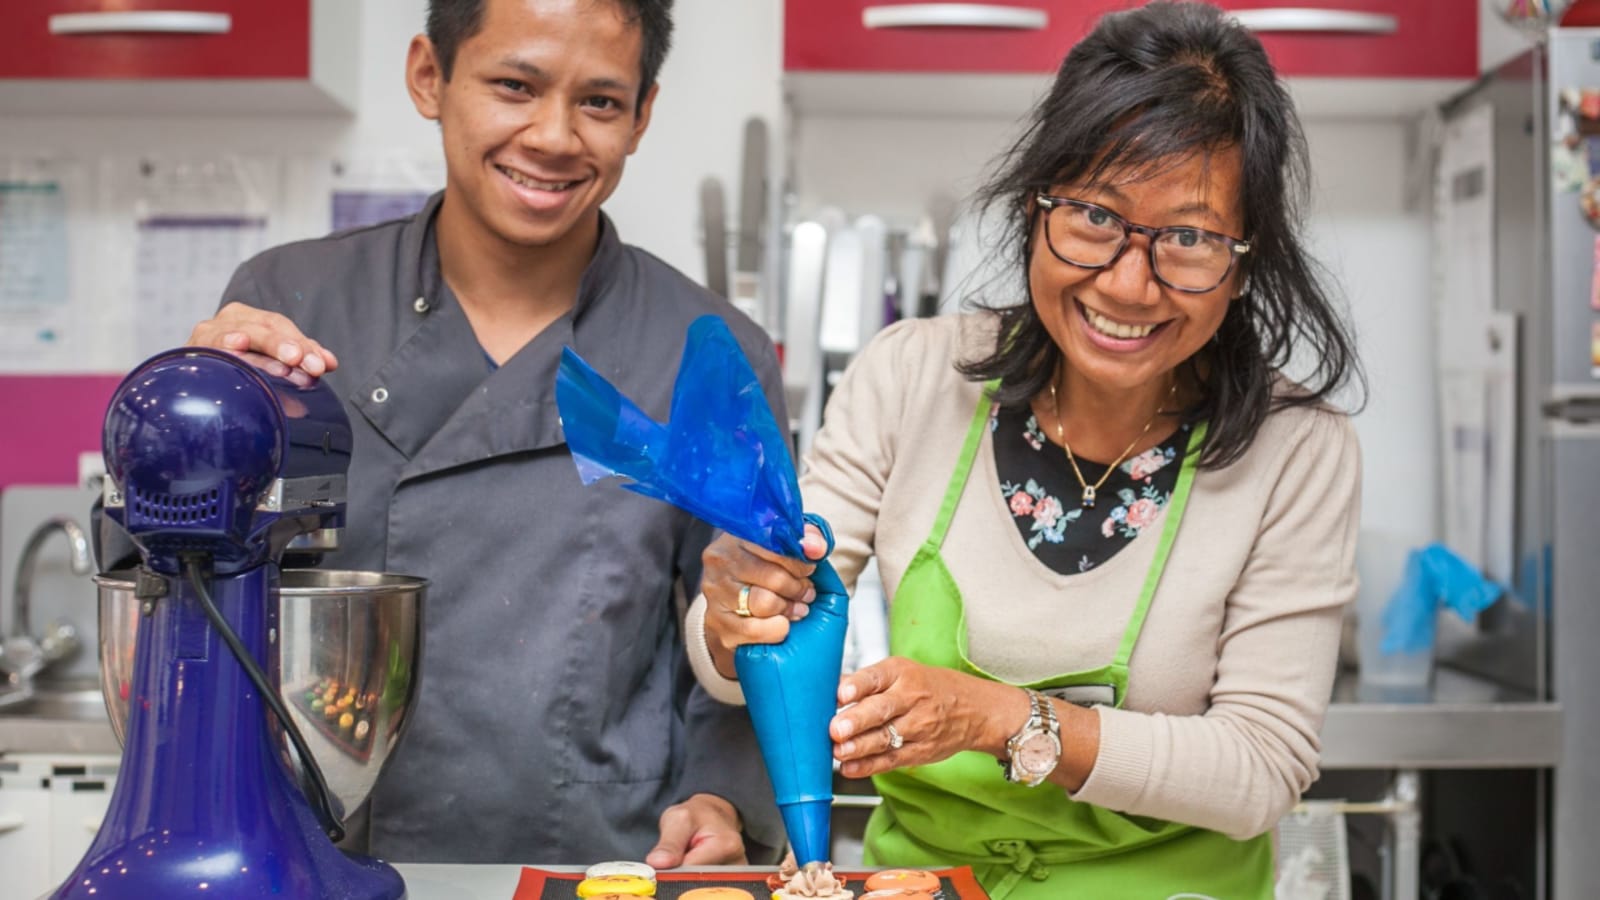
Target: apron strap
[(969, 450), (1169, 534)]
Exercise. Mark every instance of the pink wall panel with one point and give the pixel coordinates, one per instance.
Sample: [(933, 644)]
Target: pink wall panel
[(46, 421)]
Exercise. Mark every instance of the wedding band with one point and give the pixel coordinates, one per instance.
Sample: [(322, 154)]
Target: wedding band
[(743, 611), (895, 740)]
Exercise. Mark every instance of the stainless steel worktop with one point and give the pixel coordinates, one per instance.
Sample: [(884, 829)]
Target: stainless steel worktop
[(1461, 722)]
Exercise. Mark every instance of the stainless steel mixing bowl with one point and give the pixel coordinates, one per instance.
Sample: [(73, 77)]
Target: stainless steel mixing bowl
[(348, 647)]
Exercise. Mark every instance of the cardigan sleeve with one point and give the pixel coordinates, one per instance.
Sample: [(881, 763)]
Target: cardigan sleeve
[(1243, 764), (845, 470)]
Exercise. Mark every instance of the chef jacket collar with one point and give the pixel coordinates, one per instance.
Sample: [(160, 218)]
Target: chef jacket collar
[(432, 398)]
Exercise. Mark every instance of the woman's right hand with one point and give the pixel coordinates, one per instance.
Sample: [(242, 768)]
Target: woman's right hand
[(777, 591), (267, 340)]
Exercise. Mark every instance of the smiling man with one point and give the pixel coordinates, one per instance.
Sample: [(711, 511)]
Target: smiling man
[(556, 709)]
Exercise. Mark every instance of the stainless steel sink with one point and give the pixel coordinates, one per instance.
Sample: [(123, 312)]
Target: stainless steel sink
[(68, 702)]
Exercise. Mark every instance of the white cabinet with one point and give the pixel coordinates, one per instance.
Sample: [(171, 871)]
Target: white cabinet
[(24, 834), (50, 809)]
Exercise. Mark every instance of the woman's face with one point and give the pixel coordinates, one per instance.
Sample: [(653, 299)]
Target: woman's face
[(1118, 327)]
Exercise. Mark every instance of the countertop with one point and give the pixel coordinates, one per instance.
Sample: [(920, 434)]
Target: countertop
[(452, 882), (1460, 722)]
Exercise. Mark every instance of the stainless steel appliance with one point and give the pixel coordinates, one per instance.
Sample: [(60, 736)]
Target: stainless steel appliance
[(1519, 260)]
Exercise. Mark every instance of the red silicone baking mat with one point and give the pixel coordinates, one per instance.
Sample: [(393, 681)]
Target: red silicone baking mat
[(541, 884)]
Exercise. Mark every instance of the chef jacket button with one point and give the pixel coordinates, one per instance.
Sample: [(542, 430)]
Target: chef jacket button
[(379, 395), (421, 305)]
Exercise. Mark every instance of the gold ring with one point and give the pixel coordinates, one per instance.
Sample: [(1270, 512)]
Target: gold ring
[(895, 740), (743, 611)]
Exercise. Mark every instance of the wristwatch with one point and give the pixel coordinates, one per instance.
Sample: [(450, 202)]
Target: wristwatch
[(1035, 751)]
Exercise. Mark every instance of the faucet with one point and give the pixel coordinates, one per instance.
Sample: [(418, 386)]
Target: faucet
[(21, 656)]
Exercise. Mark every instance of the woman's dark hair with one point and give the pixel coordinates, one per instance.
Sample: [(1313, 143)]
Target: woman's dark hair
[(452, 21), (1146, 88)]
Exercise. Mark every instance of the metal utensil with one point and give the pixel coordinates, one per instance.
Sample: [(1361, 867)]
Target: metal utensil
[(714, 234)]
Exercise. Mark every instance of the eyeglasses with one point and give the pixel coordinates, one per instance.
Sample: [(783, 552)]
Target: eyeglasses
[(1192, 260)]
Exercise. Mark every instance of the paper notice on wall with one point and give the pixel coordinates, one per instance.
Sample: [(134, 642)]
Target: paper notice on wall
[(34, 287), (41, 327), (327, 194), (33, 245), (182, 265), (353, 209)]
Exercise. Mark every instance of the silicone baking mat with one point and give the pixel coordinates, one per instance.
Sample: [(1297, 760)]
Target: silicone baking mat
[(541, 884)]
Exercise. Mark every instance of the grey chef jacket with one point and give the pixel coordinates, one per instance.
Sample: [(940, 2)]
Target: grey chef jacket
[(557, 715)]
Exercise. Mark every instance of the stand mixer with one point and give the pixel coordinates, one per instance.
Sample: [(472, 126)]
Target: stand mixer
[(214, 469)]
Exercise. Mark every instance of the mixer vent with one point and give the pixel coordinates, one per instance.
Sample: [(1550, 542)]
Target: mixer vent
[(201, 507)]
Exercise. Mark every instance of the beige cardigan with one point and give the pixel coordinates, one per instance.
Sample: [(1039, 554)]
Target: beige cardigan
[(1232, 675)]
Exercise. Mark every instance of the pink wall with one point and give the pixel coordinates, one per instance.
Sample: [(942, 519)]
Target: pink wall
[(46, 421)]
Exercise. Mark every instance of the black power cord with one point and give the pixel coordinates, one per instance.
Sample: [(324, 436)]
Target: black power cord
[(321, 803)]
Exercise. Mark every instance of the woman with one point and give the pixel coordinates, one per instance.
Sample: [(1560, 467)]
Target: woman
[(1152, 692)]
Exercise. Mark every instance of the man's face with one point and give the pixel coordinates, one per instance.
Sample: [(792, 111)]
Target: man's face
[(539, 114)]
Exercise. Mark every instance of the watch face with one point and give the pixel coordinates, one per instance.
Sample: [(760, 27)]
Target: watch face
[(1038, 754)]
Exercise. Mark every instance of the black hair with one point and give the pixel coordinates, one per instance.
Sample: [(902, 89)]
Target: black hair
[(452, 21), (1145, 88)]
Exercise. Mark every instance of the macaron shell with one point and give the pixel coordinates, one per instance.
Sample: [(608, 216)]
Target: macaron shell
[(905, 879), (625, 885), (717, 893), (621, 867), (897, 894)]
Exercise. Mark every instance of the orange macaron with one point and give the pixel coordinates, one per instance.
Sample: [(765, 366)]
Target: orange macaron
[(903, 879), (717, 893)]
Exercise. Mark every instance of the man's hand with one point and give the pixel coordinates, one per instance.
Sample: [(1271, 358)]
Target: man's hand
[(267, 340), (701, 831)]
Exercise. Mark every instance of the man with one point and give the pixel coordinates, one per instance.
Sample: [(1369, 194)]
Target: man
[(557, 717)]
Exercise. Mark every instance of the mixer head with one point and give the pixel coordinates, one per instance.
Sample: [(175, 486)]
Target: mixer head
[(206, 453)]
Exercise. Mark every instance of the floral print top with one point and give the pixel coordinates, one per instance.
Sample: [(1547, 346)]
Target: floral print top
[(1045, 497)]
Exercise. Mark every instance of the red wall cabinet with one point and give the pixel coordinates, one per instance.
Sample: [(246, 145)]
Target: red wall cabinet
[(1306, 38), (178, 55)]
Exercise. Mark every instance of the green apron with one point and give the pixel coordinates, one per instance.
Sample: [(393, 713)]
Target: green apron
[(1036, 843)]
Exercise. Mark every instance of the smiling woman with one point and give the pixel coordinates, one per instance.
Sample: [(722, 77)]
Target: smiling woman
[(1149, 665)]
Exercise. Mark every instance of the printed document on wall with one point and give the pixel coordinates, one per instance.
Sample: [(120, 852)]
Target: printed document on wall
[(195, 222), (183, 264), (40, 328)]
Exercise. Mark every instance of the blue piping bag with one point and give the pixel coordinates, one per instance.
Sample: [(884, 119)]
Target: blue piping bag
[(721, 457)]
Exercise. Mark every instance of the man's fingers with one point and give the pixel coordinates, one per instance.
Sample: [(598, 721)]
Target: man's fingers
[(715, 848), (243, 328), (677, 826)]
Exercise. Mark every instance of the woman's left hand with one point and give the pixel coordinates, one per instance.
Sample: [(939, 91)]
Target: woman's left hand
[(934, 711)]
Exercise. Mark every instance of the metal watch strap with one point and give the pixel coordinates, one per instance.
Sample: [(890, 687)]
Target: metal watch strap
[(1047, 710), (1041, 714)]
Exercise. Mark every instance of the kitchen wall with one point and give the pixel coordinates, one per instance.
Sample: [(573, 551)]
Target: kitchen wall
[(724, 67)]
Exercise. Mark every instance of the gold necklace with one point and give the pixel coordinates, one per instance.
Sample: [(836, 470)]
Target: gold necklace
[(1090, 489)]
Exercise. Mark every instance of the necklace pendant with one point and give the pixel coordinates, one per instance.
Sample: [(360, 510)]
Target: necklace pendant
[(1088, 496)]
